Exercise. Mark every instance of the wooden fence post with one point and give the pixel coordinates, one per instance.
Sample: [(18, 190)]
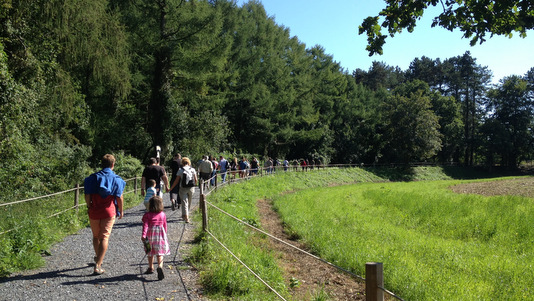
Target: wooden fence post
[(77, 197), (374, 280), (204, 209), (135, 185), (201, 186)]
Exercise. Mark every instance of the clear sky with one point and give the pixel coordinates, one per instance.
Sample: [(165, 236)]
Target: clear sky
[(334, 26)]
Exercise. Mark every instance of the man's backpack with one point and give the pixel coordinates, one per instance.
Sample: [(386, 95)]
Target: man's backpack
[(187, 178)]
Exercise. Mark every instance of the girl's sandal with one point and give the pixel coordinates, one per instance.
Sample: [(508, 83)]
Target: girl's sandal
[(149, 271), (99, 271)]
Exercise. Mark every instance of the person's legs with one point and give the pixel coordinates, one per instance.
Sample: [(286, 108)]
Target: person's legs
[(185, 203), (150, 269), (101, 232), (187, 197), (160, 268), (95, 228), (102, 248), (172, 196)]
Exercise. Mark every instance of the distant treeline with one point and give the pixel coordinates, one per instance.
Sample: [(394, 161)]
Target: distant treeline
[(79, 79)]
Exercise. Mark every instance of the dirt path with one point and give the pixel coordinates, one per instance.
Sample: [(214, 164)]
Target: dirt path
[(311, 275)]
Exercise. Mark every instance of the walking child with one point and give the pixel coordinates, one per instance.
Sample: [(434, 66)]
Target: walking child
[(155, 232), (150, 192)]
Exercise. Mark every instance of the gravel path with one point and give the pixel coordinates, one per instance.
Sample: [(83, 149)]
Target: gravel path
[(68, 271)]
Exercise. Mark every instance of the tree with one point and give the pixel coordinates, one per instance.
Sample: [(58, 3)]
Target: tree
[(411, 128), (427, 70), (467, 82), (179, 48), (508, 130), (379, 76), (356, 125), (473, 17)]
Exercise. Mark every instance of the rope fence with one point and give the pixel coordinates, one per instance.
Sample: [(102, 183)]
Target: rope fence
[(76, 205), (286, 243), (242, 263)]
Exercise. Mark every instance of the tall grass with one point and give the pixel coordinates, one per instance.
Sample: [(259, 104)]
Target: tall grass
[(435, 245)]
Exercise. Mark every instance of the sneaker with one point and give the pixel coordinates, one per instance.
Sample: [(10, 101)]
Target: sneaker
[(173, 205)]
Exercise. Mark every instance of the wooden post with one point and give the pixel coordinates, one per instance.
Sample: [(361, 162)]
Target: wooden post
[(77, 197), (216, 176), (204, 209), (374, 279), (135, 185), (201, 186)]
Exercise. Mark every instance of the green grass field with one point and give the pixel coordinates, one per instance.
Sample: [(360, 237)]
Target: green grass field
[(435, 244)]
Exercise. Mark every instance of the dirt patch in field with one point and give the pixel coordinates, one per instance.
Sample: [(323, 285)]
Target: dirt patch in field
[(308, 275), (520, 187)]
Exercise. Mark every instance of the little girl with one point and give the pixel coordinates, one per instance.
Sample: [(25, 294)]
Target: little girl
[(155, 232)]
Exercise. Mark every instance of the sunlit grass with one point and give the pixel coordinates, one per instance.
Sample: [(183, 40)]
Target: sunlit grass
[(221, 275), (435, 245)]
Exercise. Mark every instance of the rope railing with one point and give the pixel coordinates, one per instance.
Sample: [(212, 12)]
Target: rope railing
[(232, 177), (243, 264), (77, 204), (39, 197), (286, 243)]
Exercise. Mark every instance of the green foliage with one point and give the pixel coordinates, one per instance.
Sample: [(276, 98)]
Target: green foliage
[(127, 166), (473, 18), (81, 79), (411, 127), (219, 270), (507, 134)]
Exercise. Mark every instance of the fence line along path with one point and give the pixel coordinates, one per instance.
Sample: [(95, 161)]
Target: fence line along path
[(67, 274)]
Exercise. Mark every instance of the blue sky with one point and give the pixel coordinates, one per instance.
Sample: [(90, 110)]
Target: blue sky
[(334, 26)]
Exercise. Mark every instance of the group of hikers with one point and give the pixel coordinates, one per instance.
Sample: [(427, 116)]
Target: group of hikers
[(209, 166), (104, 196)]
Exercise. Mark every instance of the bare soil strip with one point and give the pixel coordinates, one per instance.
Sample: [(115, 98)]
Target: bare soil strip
[(305, 275)]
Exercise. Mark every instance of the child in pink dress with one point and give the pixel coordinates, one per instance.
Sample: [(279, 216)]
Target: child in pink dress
[(155, 232)]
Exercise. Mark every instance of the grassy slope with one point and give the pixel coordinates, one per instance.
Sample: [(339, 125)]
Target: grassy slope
[(223, 277)]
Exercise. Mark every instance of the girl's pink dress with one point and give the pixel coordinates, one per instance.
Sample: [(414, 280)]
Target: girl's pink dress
[(155, 230)]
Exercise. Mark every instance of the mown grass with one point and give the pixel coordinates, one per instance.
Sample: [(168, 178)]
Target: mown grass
[(35, 230), (435, 245)]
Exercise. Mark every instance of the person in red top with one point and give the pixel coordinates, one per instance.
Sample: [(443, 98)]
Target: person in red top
[(103, 196)]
